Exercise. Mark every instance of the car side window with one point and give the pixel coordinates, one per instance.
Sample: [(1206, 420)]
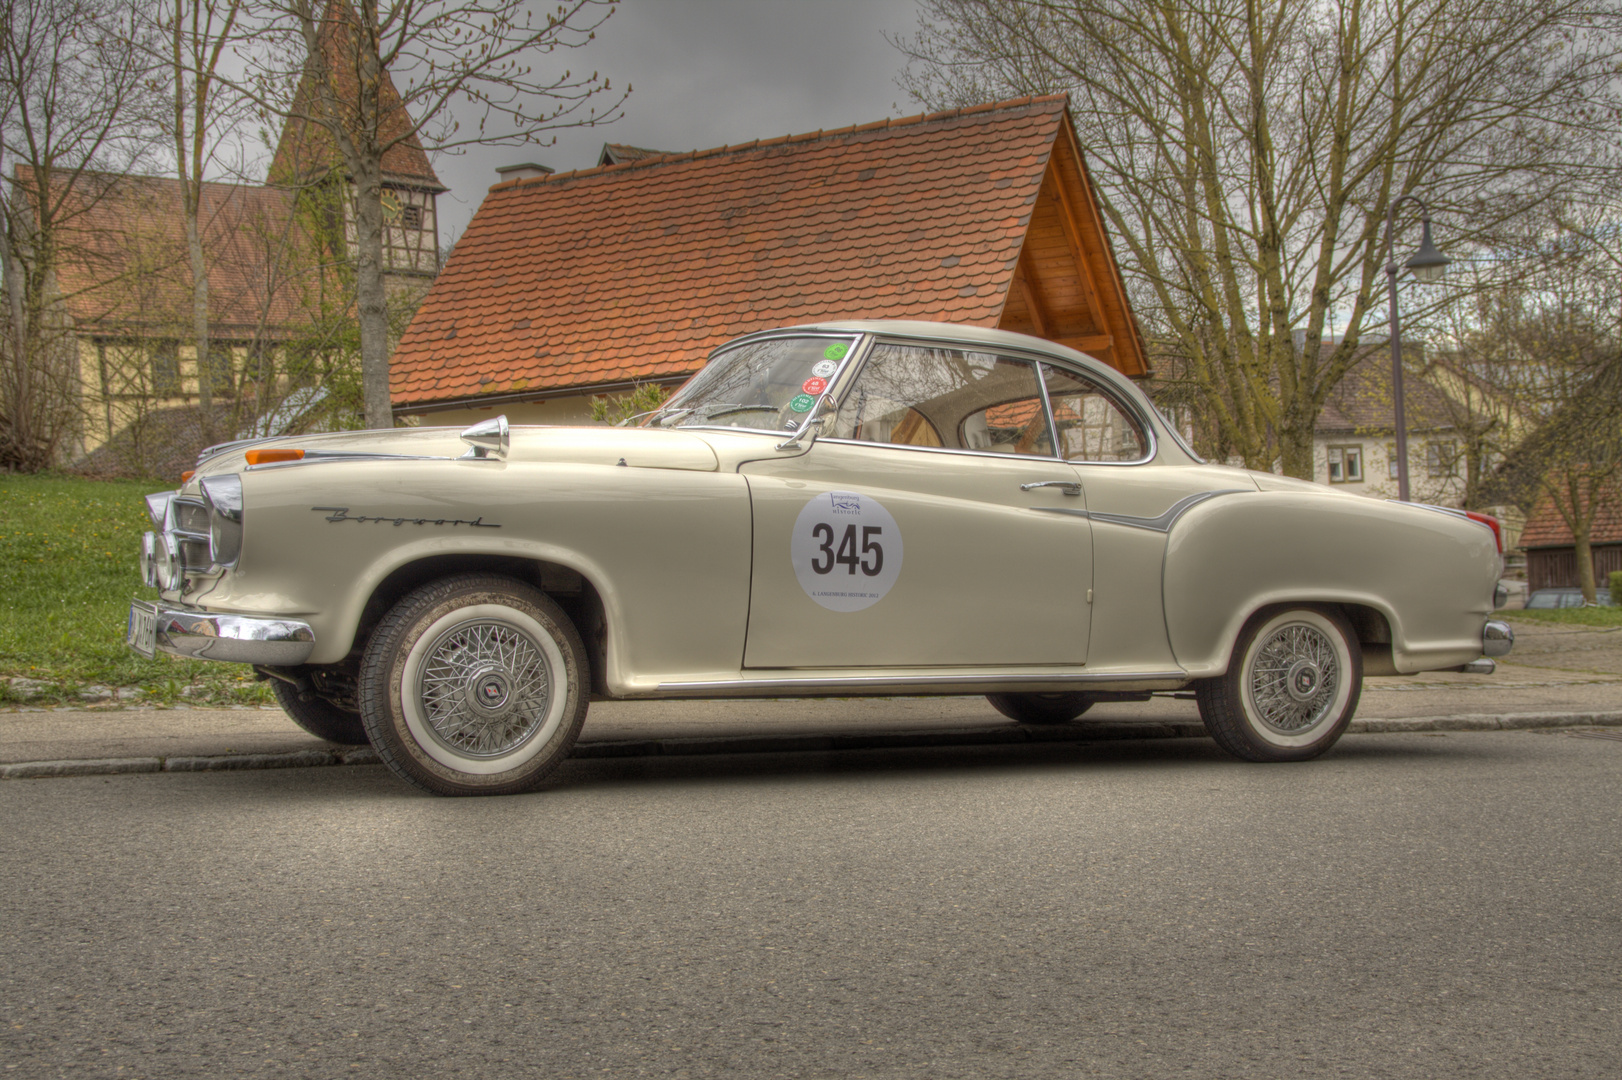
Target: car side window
[(955, 399), (1091, 424)]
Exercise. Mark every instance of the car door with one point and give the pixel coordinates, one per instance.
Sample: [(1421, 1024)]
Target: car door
[(934, 525), (1134, 499)]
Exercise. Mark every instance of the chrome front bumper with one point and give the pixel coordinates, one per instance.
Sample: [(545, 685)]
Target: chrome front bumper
[(207, 635)]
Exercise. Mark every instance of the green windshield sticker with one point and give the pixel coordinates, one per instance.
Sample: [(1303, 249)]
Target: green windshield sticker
[(835, 351), (803, 402)]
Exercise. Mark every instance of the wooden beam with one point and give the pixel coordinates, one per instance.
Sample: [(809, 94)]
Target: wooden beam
[(1072, 239), (1028, 294), (1090, 344)]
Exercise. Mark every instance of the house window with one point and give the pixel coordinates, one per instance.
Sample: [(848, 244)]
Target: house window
[(1440, 458), (1345, 464), (411, 217), (1391, 460)]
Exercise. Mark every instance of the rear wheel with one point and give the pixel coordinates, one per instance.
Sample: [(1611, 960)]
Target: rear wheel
[(1057, 708), (474, 685), (1291, 687), (318, 716)]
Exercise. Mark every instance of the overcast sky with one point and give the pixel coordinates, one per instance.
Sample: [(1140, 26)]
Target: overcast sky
[(710, 72)]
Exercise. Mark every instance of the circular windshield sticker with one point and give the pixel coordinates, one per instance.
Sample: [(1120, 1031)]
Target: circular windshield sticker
[(846, 550), (802, 402), (814, 386), (836, 351), (824, 368)]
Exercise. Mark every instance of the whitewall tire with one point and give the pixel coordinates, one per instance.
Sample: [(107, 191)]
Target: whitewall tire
[(1291, 687), (474, 685)]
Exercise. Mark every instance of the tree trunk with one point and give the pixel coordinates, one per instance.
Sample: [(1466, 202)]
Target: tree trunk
[(1585, 563), (371, 298), (199, 314)]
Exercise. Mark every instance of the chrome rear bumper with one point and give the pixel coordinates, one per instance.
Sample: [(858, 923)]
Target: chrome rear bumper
[(207, 635), (1497, 639)]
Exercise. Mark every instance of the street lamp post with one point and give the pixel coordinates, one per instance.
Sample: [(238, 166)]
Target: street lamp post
[(1428, 266)]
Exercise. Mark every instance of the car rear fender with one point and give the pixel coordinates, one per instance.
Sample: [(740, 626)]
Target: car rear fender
[(1430, 576)]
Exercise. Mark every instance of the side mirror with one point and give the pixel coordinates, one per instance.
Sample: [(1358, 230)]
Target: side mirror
[(487, 438)]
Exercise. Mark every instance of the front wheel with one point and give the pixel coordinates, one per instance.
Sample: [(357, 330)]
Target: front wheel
[(1055, 708), (474, 685), (1291, 687)]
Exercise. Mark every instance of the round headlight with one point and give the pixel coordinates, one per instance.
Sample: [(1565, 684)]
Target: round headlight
[(149, 558), (224, 497), (166, 562)]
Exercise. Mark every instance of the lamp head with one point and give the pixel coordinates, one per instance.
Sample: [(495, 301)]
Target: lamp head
[(1427, 263)]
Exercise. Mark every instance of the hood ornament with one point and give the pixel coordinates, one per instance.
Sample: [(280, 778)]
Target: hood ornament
[(488, 438)]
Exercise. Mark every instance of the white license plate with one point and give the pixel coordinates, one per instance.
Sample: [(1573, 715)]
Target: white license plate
[(142, 633)]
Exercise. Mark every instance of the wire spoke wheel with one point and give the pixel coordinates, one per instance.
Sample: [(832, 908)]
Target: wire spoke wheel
[(475, 684), (1291, 687), (1293, 678), (485, 688)]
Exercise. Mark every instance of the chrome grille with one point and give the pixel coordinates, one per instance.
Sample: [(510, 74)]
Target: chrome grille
[(191, 517)]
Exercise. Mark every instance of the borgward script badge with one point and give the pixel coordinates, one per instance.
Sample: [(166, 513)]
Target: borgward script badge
[(341, 513)]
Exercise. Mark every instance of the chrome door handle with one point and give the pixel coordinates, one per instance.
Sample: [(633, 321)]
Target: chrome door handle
[(1069, 487)]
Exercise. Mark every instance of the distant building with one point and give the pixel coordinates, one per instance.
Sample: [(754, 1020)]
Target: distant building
[(571, 285), (125, 281), (1551, 552)]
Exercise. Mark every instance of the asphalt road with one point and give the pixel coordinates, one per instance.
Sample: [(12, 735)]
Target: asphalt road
[(1409, 906)]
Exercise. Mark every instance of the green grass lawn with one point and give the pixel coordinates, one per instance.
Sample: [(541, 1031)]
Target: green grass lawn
[(68, 568), (1583, 616)]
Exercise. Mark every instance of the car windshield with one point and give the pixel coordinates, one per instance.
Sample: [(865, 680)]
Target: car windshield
[(772, 385)]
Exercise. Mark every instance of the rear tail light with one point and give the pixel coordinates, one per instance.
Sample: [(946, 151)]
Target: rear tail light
[(272, 456), (1491, 523)]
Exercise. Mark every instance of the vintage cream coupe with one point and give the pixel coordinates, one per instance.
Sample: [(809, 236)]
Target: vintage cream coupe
[(852, 508)]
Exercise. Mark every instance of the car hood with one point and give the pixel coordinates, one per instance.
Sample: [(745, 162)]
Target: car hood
[(637, 448)]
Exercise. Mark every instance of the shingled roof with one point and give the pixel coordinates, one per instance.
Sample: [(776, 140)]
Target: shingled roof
[(123, 266), (306, 150), (1364, 402), (1546, 528), (635, 271)]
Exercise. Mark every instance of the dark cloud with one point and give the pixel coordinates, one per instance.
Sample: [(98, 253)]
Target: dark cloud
[(710, 72)]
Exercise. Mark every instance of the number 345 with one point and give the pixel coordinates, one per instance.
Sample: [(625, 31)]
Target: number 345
[(847, 555)]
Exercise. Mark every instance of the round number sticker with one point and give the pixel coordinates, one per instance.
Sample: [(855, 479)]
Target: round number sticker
[(846, 550), (824, 368), (836, 351), (814, 386), (802, 402)]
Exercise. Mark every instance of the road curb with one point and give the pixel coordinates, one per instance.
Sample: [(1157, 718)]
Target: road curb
[(1001, 735)]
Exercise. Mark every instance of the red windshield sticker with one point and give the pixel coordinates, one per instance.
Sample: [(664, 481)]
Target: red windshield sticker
[(814, 385)]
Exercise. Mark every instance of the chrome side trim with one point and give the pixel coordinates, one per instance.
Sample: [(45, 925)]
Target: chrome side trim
[(943, 683), (241, 639), (1484, 666), (1163, 523), (1497, 638)]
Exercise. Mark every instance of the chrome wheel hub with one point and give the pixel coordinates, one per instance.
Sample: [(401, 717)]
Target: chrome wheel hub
[(1293, 678), (485, 688)]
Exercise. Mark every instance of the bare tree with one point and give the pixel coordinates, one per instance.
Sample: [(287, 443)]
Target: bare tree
[(72, 100), (1250, 149), (478, 57), (199, 34), (1552, 346)]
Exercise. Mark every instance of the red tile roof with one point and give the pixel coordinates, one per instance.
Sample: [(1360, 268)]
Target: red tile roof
[(637, 271), (123, 266), (307, 150), (1546, 528)]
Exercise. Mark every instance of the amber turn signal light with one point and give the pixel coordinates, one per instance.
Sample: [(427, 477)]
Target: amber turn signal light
[(187, 475), (268, 457)]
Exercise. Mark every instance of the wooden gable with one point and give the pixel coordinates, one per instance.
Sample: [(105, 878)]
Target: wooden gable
[(1066, 287)]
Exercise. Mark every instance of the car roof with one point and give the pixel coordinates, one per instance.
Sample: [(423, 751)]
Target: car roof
[(963, 335)]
